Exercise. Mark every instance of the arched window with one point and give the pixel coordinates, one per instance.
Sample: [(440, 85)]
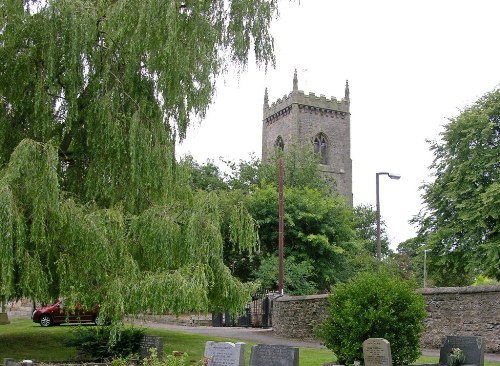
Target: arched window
[(279, 144), (320, 146)]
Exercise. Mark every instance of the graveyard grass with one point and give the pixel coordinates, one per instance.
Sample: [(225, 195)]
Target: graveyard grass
[(23, 339)]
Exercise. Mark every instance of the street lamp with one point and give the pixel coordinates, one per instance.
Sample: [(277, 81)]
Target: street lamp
[(392, 176), (425, 266)]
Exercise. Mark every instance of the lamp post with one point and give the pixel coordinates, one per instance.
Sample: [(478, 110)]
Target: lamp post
[(425, 266), (392, 176)]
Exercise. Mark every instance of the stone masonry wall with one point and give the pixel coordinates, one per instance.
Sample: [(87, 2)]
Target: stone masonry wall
[(297, 316), (473, 310)]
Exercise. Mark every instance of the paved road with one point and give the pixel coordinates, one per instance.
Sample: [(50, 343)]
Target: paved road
[(266, 336)]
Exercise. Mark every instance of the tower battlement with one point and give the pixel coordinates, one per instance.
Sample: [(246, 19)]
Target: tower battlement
[(310, 101)]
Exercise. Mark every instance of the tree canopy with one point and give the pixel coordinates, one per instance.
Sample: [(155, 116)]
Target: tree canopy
[(326, 241), (93, 97), (460, 222)]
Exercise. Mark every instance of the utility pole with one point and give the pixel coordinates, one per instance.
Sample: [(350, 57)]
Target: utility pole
[(280, 228)]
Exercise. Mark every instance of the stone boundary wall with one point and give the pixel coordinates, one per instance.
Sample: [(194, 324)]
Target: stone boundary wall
[(298, 316), (473, 310)]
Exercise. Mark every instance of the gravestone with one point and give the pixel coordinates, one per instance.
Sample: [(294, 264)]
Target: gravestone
[(4, 318), (274, 355), (10, 362), (472, 347), (148, 342), (225, 353), (377, 352)]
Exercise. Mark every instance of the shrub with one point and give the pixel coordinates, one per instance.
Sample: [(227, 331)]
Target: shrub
[(374, 305), (102, 343)]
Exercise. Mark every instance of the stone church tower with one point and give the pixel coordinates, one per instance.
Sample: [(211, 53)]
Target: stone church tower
[(323, 123)]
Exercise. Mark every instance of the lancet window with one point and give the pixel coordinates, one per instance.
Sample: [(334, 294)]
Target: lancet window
[(320, 146)]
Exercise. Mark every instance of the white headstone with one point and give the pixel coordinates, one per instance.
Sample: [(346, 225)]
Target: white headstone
[(225, 353), (377, 352)]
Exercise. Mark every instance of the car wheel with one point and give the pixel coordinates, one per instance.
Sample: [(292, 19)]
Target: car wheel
[(96, 320), (45, 321)]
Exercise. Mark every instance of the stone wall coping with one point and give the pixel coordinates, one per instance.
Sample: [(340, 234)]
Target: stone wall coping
[(300, 298), (423, 291), (459, 290)]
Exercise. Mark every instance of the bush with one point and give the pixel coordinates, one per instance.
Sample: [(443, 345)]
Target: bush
[(374, 305), (101, 343)]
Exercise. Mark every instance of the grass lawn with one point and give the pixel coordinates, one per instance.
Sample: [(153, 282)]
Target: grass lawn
[(23, 339)]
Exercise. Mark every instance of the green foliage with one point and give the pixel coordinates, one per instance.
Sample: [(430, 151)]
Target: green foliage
[(93, 97), (317, 229), (300, 170), (95, 342), (169, 360), (374, 305), (320, 243), (409, 260), (297, 276), (365, 220), (482, 280), (460, 222), (207, 176)]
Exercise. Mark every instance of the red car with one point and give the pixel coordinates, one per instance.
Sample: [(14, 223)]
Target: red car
[(57, 314)]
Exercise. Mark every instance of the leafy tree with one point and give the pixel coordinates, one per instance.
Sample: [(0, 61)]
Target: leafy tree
[(317, 230), (244, 175), (207, 176), (374, 305), (300, 170), (460, 222), (93, 95), (365, 219), (297, 276), (320, 242)]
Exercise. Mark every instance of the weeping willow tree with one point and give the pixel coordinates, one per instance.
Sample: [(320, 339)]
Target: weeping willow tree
[(94, 95)]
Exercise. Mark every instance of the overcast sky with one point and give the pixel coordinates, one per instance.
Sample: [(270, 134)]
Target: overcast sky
[(411, 65)]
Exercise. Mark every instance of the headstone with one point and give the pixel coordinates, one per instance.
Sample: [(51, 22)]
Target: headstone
[(4, 318), (148, 342), (377, 352), (10, 362), (225, 353), (472, 347), (274, 355)]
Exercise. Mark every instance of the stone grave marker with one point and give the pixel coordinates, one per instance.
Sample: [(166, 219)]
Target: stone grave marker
[(377, 352), (274, 355), (148, 342), (225, 353), (472, 347), (4, 318)]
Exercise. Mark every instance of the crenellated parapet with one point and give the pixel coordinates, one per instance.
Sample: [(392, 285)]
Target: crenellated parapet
[(305, 103), (308, 103), (278, 109)]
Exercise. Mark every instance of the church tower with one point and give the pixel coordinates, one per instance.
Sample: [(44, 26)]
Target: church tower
[(324, 124)]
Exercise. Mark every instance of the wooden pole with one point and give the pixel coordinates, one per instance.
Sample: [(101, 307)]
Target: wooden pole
[(280, 227)]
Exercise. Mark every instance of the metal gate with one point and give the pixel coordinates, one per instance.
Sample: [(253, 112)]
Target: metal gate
[(257, 313)]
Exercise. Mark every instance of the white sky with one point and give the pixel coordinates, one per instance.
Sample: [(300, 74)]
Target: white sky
[(410, 64)]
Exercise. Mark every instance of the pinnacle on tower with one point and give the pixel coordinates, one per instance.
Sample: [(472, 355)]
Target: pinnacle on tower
[(346, 97), (266, 99), (295, 81)]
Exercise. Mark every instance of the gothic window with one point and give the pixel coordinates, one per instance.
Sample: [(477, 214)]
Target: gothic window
[(320, 146), (279, 144)]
